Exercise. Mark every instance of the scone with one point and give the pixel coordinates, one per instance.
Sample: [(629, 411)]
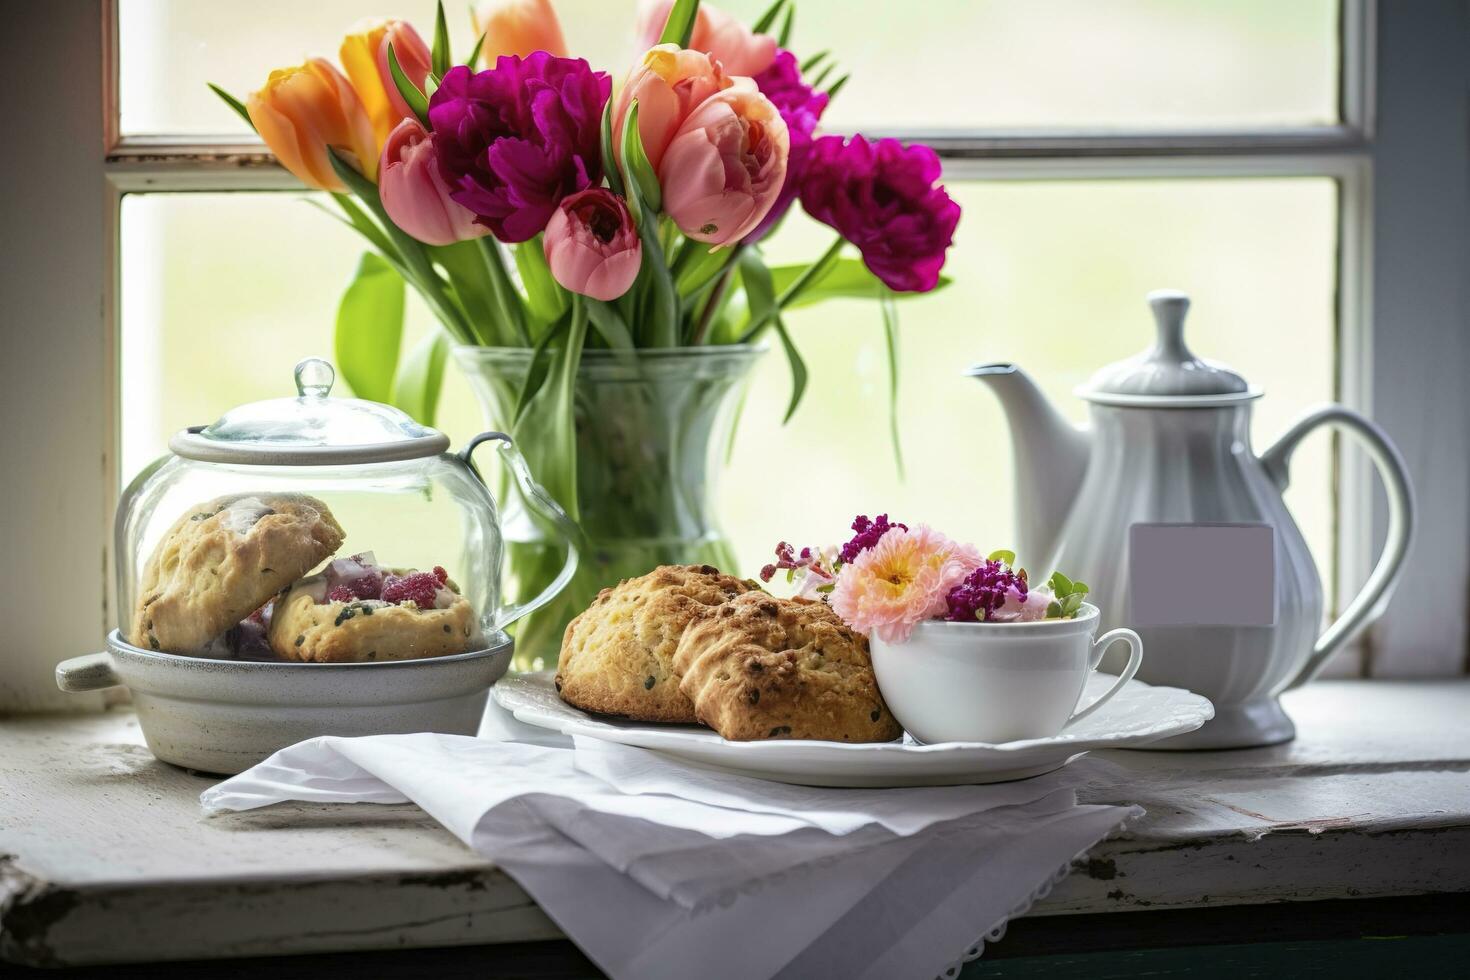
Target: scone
[(357, 610), (222, 560), (763, 667), (617, 657)]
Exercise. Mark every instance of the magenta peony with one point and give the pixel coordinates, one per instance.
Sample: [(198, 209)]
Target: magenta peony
[(802, 107), (883, 197), (513, 140)]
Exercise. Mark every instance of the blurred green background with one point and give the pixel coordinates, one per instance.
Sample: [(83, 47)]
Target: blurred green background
[(223, 293)]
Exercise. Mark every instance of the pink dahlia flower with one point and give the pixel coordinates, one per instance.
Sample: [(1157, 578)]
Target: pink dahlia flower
[(901, 581)]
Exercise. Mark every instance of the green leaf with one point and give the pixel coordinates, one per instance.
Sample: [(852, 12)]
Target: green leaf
[(1060, 584), (784, 38), (890, 345), (845, 279), (537, 371), (821, 76), (701, 269), (609, 323), (466, 270), (762, 298), (1071, 605), (508, 299), (1053, 610), (358, 221), (475, 53), (410, 92), (431, 85), (837, 86), (653, 275), (233, 103), (768, 18), (417, 385), (545, 297), (636, 168), (609, 160), (370, 328), (1080, 588), (814, 60), (680, 25), (439, 57), (1009, 557), (415, 258), (550, 427)]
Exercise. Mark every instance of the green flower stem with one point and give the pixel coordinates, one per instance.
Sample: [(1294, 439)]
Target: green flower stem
[(507, 297), (813, 273), (716, 296)]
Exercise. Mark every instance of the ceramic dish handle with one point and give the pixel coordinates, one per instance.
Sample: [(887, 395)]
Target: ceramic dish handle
[(1370, 601), (1135, 657), (542, 503), (90, 673)]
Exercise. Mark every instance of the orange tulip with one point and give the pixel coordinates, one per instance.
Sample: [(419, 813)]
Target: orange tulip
[(668, 84), (303, 110), (364, 54), (518, 27)]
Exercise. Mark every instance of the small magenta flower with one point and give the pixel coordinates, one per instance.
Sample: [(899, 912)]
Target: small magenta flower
[(868, 533)]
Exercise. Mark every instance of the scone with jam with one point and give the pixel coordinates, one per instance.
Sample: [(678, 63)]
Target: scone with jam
[(357, 610), (221, 561)]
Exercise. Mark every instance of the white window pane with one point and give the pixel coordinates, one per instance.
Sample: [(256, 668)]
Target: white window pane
[(1051, 275), (223, 293), (935, 64)]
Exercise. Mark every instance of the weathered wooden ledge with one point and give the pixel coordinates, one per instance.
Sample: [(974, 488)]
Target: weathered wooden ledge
[(105, 856)]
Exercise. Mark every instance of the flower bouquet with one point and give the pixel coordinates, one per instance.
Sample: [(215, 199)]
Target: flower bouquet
[(963, 647), (594, 253)]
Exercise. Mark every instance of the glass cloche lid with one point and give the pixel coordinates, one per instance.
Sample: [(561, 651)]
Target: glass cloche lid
[(1169, 372), (310, 429)]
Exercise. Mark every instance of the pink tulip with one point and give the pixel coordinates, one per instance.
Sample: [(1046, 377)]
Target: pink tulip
[(724, 168), (715, 33), (669, 83), (592, 245), (415, 196)]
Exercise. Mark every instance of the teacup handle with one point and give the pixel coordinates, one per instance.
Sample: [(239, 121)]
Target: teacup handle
[(1135, 657)]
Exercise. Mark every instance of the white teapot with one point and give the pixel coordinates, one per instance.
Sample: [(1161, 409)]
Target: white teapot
[(1180, 529)]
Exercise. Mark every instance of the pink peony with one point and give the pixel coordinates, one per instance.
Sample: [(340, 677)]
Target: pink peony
[(1022, 607), (901, 581)]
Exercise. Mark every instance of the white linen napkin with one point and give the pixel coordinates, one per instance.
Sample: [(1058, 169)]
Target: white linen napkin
[(657, 868)]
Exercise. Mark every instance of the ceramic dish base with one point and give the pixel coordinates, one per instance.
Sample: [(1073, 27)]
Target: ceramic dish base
[(1138, 715)]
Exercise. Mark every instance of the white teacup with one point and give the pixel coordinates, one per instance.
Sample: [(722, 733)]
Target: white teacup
[(996, 682)]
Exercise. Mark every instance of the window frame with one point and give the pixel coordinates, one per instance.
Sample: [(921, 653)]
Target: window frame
[(1351, 152)]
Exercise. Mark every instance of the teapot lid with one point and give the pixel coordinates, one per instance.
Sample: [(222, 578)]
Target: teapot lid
[(310, 429), (1169, 372)]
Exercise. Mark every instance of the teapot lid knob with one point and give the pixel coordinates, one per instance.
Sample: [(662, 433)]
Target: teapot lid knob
[(1170, 306), (315, 377), (1168, 370)]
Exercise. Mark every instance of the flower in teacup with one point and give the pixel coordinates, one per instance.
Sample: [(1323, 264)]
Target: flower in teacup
[(901, 581), (1022, 606)]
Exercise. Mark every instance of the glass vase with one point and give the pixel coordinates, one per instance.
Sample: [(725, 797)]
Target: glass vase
[(652, 428)]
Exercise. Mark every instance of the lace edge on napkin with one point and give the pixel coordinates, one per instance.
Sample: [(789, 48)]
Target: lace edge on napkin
[(997, 930)]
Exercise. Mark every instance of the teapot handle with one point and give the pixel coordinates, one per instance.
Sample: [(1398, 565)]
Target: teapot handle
[(541, 502), (1370, 601)]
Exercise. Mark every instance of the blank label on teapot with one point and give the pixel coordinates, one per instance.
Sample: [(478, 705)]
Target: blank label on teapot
[(1202, 574)]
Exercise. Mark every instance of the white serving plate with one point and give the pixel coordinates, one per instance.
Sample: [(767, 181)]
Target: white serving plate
[(1138, 715)]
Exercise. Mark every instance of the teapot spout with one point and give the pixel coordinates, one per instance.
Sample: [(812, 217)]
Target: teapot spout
[(1050, 455)]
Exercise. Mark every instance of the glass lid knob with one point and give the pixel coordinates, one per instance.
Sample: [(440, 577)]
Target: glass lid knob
[(314, 378)]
